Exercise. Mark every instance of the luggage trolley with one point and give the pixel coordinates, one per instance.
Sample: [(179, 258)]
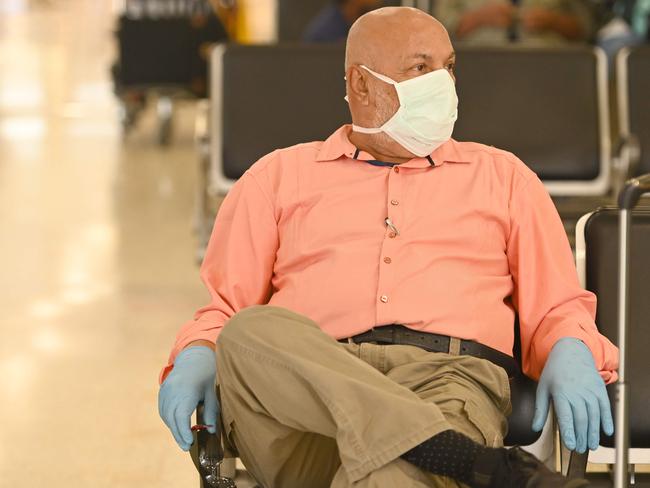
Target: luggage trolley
[(627, 200)]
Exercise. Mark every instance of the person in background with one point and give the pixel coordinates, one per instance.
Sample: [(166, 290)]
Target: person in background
[(625, 24), (334, 21), (539, 22), (637, 14)]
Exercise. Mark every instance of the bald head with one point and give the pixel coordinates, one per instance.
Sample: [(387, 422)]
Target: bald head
[(382, 35)]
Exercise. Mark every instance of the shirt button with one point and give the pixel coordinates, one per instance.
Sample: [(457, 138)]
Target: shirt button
[(396, 169), (394, 202), (384, 298), (392, 235), (388, 260)]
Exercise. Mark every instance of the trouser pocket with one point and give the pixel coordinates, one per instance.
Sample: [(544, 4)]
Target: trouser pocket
[(488, 425)]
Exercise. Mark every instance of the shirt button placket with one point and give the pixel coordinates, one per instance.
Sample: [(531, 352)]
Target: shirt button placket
[(393, 219)]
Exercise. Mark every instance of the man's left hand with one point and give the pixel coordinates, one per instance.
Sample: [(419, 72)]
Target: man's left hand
[(579, 396)]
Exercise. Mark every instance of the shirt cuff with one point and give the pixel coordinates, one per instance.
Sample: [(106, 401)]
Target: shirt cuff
[(182, 342), (605, 354)]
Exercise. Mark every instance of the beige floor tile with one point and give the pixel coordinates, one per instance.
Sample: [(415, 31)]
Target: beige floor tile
[(97, 264)]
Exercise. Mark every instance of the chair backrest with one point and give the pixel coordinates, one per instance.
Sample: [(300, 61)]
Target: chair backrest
[(522, 395), (548, 106), (633, 85), (601, 277), (268, 97), (295, 15)]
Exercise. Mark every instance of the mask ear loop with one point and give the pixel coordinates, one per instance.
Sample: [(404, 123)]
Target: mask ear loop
[(381, 77), (372, 130)]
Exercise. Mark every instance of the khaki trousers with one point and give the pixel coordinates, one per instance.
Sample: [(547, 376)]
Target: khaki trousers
[(305, 411)]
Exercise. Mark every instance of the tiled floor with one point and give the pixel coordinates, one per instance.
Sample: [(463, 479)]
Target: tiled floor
[(97, 264)]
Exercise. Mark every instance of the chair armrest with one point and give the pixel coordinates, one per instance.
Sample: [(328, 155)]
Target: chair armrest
[(627, 153), (207, 454), (522, 394)]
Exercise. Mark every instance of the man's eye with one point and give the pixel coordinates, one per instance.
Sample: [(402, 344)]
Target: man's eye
[(419, 67), (451, 67)]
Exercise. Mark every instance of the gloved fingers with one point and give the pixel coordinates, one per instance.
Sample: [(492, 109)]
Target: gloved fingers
[(605, 411), (211, 410), (162, 399), (541, 408), (183, 432), (580, 423), (593, 412), (166, 411), (564, 416)]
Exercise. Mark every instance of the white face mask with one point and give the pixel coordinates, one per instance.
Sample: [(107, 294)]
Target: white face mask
[(428, 109)]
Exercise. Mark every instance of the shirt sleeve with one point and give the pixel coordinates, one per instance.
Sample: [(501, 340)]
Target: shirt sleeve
[(547, 294), (238, 264)]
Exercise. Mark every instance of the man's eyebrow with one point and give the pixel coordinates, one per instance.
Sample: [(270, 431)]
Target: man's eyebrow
[(420, 55)]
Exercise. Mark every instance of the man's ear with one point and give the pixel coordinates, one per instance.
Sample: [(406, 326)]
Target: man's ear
[(357, 81)]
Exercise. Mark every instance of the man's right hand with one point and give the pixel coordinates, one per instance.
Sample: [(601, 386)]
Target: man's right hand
[(191, 381)]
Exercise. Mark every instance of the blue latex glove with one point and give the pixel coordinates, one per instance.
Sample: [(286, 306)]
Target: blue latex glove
[(191, 381), (579, 396)]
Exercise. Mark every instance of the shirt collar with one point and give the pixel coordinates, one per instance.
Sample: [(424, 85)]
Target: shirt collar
[(338, 145)]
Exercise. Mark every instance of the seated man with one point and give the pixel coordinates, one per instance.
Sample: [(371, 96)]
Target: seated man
[(364, 292)]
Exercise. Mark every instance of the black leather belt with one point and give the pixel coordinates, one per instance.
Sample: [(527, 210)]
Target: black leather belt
[(396, 334)]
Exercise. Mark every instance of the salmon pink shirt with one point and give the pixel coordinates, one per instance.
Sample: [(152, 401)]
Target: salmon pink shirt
[(472, 238)]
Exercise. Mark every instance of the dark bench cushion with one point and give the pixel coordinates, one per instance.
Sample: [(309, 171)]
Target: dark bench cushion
[(540, 104)]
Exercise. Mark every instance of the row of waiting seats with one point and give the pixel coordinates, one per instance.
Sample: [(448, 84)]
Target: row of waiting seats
[(551, 107)]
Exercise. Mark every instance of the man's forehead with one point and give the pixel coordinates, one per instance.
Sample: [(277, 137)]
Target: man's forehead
[(395, 35)]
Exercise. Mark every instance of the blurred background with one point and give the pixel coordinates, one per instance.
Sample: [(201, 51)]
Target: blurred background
[(121, 129)]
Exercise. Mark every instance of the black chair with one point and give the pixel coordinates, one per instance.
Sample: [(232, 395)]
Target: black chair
[(266, 97), (547, 106), (633, 90), (263, 98), (597, 253), (528, 101)]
